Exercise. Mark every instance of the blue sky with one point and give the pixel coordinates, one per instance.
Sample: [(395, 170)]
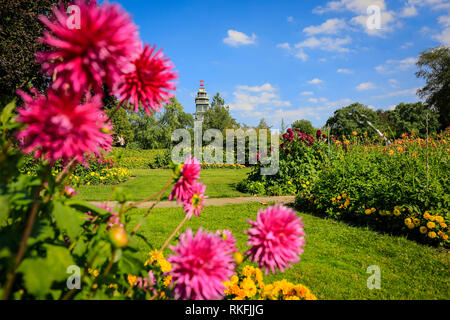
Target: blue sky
[(294, 60)]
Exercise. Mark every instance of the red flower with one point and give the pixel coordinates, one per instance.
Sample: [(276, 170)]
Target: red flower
[(59, 127), (149, 83), (96, 53)]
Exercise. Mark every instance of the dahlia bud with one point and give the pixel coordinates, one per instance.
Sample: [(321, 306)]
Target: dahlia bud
[(238, 258), (119, 236)]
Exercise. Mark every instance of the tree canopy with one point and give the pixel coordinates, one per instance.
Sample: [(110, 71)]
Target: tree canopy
[(304, 126), (19, 30), (218, 115), (413, 116), (434, 67), (343, 123)]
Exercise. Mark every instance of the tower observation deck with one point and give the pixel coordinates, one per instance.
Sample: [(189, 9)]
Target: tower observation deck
[(201, 102)]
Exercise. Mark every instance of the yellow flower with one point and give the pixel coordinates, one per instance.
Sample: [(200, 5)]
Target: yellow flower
[(416, 222), (355, 133), (167, 281), (423, 229), (373, 210), (339, 197), (132, 280), (430, 225), (368, 211), (432, 234), (333, 199), (443, 225), (408, 221), (248, 271), (439, 219), (411, 226), (249, 287), (304, 186), (397, 212)]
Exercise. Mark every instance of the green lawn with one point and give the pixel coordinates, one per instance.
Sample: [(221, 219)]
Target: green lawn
[(220, 183), (336, 255)]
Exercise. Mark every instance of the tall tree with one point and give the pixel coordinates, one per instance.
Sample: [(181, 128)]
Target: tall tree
[(263, 124), (345, 121), (413, 116), (218, 115), (172, 118), (283, 126), (304, 126), (19, 30), (118, 117), (434, 67)]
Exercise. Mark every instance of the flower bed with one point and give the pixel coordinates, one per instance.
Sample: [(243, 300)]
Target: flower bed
[(402, 188)]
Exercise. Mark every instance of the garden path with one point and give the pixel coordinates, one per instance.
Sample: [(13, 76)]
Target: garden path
[(210, 202)]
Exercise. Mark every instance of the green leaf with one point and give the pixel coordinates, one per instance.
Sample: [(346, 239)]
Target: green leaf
[(40, 273), (85, 207), (7, 112), (129, 264), (4, 209), (68, 220), (42, 230)]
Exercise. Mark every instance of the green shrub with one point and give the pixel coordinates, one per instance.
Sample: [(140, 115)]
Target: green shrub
[(301, 159), (386, 188)]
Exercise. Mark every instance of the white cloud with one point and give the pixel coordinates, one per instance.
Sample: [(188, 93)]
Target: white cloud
[(345, 71), (444, 21), (392, 66), (407, 92), (285, 46), (388, 23), (365, 86), (318, 112), (409, 11), (265, 87), (331, 26), (290, 19), (237, 38), (307, 93), (444, 36), (315, 81), (313, 100), (393, 83), (407, 45), (251, 98), (356, 6), (410, 8), (359, 7), (326, 44), (299, 53)]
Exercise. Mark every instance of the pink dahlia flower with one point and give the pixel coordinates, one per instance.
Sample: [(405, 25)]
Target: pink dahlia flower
[(149, 83), (276, 238), (58, 127), (189, 174), (100, 51), (199, 266), (196, 203), (229, 239)]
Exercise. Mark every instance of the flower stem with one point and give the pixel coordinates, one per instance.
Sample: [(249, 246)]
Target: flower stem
[(161, 193), (23, 244), (173, 233)]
